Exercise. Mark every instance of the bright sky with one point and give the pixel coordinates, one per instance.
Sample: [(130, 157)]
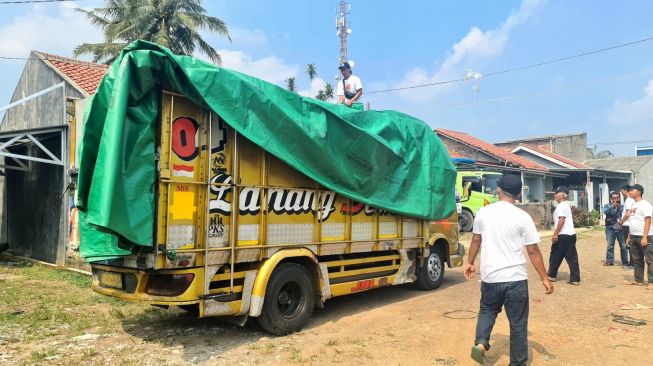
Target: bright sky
[(395, 44)]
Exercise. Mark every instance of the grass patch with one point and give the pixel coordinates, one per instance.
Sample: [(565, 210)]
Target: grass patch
[(38, 302)]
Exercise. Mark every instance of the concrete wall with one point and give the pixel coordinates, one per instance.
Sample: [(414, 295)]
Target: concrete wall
[(644, 176), (535, 186), (573, 146), (43, 111), (539, 212)]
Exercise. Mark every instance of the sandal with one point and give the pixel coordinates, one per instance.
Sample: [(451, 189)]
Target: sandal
[(478, 353)]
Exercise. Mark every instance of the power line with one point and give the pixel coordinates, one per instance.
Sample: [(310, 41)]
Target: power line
[(547, 91), (517, 68), (32, 1), (621, 142)]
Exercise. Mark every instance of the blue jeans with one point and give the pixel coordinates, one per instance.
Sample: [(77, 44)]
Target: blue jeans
[(512, 296), (610, 236)]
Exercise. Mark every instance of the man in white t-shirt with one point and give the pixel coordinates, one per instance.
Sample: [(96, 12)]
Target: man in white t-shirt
[(628, 204), (350, 88), (640, 236), (503, 231), (563, 242)]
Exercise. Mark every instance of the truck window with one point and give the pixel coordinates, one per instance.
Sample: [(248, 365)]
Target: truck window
[(476, 183), (490, 182)]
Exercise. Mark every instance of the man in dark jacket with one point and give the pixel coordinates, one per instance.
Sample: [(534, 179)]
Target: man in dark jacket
[(613, 212)]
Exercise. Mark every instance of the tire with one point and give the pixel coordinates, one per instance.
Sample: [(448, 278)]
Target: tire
[(289, 300), (431, 273), (466, 220)]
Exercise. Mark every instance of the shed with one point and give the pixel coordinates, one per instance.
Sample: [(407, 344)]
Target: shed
[(38, 136)]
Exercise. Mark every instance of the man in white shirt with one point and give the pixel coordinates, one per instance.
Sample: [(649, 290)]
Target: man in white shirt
[(563, 242), (640, 236), (628, 204), (350, 88), (504, 231)]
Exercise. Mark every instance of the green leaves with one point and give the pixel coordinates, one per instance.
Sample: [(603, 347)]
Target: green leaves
[(175, 24)]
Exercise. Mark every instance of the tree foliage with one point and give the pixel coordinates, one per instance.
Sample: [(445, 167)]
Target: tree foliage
[(594, 153), (290, 84), (175, 24)]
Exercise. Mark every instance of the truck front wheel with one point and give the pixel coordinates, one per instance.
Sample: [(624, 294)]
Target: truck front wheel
[(431, 273), (466, 220), (289, 300)]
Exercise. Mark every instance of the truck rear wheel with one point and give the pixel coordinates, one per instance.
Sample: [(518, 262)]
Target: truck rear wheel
[(289, 300), (466, 220), (431, 273)]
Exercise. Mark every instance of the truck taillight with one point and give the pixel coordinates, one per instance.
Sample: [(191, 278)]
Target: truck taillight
[(485, 202), (168, 284)]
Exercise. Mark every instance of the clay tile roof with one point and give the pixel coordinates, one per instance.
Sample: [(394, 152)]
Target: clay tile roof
[(490, 149), (85, 76), (555, 156)]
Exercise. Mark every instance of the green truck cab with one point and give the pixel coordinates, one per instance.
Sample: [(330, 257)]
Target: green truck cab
[(477, 189)]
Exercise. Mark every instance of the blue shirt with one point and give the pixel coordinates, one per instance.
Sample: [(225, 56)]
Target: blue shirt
[(612, 216)]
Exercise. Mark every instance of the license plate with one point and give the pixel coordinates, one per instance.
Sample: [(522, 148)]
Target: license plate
[(110, 279)]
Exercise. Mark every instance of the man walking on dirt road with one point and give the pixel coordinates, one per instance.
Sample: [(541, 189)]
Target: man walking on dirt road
[(563, 242), (640, 236), (504, 230)]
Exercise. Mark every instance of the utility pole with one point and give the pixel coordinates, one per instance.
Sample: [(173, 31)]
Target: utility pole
[(342, 27)]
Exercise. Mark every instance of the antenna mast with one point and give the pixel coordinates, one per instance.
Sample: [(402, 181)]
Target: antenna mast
[(342, 27)]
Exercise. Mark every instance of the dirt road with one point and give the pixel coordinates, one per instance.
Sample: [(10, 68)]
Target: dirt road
[(390, 326)]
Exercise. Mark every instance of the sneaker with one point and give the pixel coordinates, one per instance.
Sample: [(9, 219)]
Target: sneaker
[(608, 264), (552, 279), (629, 266), (574, 283)]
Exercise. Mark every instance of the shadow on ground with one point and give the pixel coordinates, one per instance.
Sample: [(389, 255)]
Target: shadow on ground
[(202, 339)]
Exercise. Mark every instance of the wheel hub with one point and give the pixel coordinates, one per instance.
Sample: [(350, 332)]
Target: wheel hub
[(434, 267)]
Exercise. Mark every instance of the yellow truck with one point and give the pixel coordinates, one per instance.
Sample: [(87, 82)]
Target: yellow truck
[(237, 232), (271, 246)]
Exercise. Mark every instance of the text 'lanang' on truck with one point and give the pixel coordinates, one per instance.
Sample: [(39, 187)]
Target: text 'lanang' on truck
[(225, 195)]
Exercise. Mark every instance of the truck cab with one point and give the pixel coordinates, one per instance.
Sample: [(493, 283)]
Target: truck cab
[(477, 189)]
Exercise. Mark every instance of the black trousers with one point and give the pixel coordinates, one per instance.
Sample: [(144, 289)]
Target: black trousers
[(565, 249), (642, 257)]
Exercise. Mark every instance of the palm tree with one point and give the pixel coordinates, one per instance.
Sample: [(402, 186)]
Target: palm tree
[(311, 71), (175, 24), (290, 84), (320, 95), (328, 91)]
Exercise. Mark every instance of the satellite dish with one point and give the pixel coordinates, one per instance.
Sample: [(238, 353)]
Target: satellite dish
[(352, 63), (348, 30)]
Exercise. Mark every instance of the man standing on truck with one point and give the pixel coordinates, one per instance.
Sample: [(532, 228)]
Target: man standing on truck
[(350, 89), (504, 230)]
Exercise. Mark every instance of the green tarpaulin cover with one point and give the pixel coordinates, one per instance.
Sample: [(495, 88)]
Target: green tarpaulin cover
[(382, 158)]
